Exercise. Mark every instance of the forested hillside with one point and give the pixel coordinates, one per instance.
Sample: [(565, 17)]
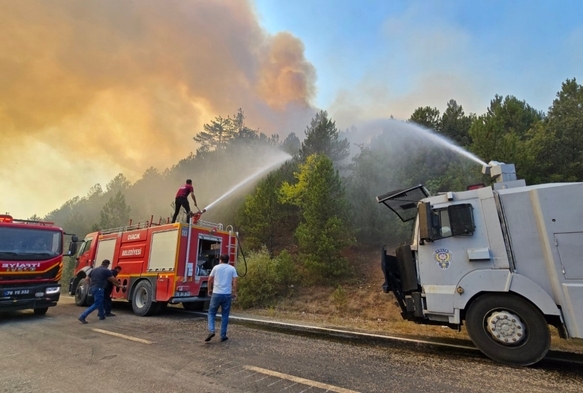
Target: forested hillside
[(300, 221)]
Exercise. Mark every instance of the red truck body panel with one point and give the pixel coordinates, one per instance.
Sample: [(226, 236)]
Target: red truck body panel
[(176, 269)]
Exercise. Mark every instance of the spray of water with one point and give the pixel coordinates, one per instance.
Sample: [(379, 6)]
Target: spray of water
[(409, 129), (443, 141), (261, 171)]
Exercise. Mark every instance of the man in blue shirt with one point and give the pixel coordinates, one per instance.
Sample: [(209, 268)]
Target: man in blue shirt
[(97, 280), (222, 288)]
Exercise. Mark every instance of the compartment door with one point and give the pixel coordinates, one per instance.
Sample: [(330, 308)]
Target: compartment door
[(570, 248)]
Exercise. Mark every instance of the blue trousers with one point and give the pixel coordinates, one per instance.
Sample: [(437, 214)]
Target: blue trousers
[(97, 304), (223, 301)]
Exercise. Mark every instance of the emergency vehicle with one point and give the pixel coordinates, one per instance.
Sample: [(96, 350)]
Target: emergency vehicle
[(506, 261), (31, 264), (162, 263)]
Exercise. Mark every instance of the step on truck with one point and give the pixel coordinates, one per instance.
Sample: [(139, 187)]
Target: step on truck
[(161, 263), (31, 264), (506, 261)]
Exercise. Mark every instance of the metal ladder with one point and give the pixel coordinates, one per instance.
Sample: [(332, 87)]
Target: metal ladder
[(232, 245)]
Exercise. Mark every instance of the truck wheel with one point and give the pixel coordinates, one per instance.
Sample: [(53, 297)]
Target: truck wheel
[(81, 291), (193, 306), (143, 299), (41, 311), (508, 329)]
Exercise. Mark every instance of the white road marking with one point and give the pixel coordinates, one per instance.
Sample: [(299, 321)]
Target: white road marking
[(136, 339), (303, 381)]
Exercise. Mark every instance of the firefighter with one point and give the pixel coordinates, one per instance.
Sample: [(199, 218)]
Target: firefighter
[(222, 286), (182, 200)]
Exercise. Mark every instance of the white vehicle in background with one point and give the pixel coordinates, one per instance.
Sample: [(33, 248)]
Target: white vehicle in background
[(506, 261)]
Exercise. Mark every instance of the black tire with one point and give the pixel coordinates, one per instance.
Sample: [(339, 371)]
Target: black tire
[(193, 306), (81, 293), (508, 329), (143, 302), (41, 311)]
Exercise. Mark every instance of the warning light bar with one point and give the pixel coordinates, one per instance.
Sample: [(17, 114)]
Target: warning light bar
[(476, 186), (5, 218)]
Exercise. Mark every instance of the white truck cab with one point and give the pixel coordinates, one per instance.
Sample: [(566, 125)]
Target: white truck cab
[(506, 261)]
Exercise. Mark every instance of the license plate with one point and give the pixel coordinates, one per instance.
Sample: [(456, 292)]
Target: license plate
[(16, 292)]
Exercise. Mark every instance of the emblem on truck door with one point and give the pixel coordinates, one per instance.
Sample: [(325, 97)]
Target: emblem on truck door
[(443, 257)]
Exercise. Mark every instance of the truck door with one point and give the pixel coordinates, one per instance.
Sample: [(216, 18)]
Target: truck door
[(86, 254), (570, 248)]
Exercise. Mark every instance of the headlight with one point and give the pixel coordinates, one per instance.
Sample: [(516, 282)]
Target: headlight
[(53, 290)]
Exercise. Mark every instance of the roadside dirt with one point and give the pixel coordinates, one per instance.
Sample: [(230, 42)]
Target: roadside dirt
[(361, 305)]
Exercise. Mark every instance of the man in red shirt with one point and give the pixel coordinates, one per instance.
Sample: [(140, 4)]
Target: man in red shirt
[(182, 200)]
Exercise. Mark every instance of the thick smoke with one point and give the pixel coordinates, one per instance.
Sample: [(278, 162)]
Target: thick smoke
[(92, 88)]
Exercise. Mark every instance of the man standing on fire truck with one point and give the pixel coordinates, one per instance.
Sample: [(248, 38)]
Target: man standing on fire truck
[(182, 200), (222, 288)]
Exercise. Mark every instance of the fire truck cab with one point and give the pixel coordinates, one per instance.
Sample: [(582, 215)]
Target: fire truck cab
[(506, 261), (161, 263), (31, 264)]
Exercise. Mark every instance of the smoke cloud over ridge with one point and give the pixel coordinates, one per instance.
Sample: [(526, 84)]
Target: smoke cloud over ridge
[(93, 88)]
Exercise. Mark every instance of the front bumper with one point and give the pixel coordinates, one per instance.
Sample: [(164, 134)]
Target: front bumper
[(24, 297)]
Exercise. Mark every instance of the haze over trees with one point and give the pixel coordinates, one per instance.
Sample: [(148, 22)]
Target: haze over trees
[(301, 222)]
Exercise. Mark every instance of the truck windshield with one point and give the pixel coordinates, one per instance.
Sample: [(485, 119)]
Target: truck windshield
[(28, 244)]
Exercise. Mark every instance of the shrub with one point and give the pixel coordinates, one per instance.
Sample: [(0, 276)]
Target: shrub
[(267, 279)]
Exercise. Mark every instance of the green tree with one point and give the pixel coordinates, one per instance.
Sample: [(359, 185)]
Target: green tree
[(501, 133), (455, 125), (291, 144), (268, 279), (118, 183), (427, 117), (556, 148), (264, 220), (216, 134), (323, 233), (322, 138), (115, 213)]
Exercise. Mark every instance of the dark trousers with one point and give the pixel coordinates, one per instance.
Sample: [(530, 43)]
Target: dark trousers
[(178, 202), (107, 301)]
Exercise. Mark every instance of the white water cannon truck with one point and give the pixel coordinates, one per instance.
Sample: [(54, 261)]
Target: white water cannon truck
[(506, 261)]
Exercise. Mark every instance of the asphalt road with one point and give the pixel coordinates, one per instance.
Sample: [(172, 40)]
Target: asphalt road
[(167, 353)]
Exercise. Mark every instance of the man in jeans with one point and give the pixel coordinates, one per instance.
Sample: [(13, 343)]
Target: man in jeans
[(222, 288), (96, 280)]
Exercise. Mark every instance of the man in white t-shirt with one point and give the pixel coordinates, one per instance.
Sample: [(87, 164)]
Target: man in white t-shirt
[(222, 288)]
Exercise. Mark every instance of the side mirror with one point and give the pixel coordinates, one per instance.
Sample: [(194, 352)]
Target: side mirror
[(72, 249)]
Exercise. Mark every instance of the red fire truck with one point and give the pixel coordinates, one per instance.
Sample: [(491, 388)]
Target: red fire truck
[(161, 263), (31, 264)]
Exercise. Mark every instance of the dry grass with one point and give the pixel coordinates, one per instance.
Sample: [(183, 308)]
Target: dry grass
[(361, 305)]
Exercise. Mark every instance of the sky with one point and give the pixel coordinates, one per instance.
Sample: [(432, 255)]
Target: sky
[(100, 87)]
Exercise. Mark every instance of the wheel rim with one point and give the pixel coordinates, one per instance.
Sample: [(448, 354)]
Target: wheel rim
[(79, 292), (141, 298), (506, 327)]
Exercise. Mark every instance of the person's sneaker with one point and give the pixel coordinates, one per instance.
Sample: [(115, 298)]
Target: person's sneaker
[(209, 337), (224, 338), (101, 318), (110, 315), (82, 320)]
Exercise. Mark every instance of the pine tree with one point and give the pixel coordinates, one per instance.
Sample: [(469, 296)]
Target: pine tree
[(323, 233)]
